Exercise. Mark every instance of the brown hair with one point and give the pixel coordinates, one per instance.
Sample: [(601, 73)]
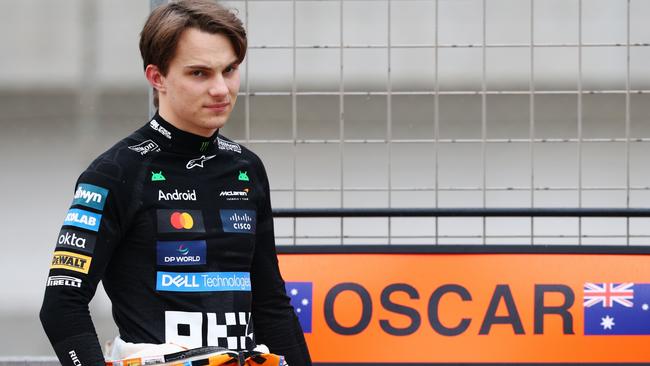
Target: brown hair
[(166, 23)]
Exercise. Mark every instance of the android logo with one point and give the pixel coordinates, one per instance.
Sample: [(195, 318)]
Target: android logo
[(156, 177), (243, 176)]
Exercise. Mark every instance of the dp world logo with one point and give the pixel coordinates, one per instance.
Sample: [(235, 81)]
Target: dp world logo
[(181, 253)]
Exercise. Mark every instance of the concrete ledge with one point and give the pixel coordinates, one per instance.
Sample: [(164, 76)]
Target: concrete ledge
[(29, 361)]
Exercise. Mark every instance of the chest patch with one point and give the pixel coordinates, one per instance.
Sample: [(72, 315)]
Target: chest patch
[(181, 253), (238, 221)]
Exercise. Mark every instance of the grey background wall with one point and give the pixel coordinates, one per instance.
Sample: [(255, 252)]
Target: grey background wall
[(452, 125)]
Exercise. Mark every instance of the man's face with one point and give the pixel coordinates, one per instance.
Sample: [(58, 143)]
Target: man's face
[(200, 89)]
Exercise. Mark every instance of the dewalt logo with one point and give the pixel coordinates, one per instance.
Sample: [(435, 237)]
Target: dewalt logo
[(71, 261)]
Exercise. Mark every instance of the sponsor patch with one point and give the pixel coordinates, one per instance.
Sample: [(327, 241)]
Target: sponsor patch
[(162, 130), (203, 281), (83, 219), (243, 176), (145, 147), (232, 330), (74, 358), (181, 253), (235, 195), (173, 221), (227, 145), (198, 161), (74, 239), (157, 177), (71, 261), (90, 196), (176, 195), (63, 281), (238, 221)]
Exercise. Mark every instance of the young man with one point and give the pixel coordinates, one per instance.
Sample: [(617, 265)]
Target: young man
[(175, 219)]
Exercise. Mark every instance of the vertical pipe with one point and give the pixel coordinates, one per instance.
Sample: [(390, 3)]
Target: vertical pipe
[(531, 83), (294, 119), (580, 118), (389, 120), (341, 120), (436, 121), (484, 117), (247, 104), (627, 124)]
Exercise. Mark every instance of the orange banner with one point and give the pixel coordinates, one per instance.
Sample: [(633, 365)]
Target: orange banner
[(403, 308)]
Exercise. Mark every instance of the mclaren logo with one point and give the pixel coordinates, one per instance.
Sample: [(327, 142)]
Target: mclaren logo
[(243, 193)]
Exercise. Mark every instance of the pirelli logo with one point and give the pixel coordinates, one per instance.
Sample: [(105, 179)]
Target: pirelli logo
[(71, 261)]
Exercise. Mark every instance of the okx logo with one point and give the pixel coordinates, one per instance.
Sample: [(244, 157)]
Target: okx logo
[(172, 221), (238, 221), (301, 294), (90, 196)]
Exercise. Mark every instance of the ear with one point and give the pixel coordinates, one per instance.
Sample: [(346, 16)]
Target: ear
[(155, 78)]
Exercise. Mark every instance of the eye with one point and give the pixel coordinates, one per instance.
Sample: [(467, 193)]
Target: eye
[(198, 73), (230, 69)]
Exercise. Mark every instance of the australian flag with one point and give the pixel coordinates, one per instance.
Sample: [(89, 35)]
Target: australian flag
[(617, 308), (301, 294)]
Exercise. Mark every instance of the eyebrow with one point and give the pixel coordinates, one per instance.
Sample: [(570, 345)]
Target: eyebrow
[(206, 67)]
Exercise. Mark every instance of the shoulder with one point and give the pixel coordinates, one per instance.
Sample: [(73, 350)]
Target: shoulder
[(238, 151), (124, 159), (242, 154)]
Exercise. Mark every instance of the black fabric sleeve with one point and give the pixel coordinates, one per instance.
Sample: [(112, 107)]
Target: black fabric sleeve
[(275, 322), (80, 259)]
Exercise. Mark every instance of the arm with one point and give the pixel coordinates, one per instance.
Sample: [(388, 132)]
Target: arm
[(275, 323), (84, 247)]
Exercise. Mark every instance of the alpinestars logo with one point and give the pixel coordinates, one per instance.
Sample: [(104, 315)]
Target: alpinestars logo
[(227, 145), (162, 130), (145, 147), (198, 161)]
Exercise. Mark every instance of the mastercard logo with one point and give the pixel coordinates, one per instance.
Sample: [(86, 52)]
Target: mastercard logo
[(181, 220)]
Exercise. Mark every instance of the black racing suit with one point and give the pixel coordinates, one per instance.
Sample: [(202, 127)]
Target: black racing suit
[(179, 229)]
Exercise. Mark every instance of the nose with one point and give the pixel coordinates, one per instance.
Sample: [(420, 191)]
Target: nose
[(219, 88)]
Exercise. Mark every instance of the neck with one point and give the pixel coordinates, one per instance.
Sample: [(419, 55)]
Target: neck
[(177, 122)]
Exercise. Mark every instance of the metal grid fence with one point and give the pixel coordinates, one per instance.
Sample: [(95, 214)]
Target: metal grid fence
[(280, 34)]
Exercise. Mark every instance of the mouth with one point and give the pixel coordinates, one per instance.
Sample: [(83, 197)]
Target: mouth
[(218, 107)]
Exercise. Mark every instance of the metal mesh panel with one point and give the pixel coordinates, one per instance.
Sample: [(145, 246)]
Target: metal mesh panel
[(450, 103)]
